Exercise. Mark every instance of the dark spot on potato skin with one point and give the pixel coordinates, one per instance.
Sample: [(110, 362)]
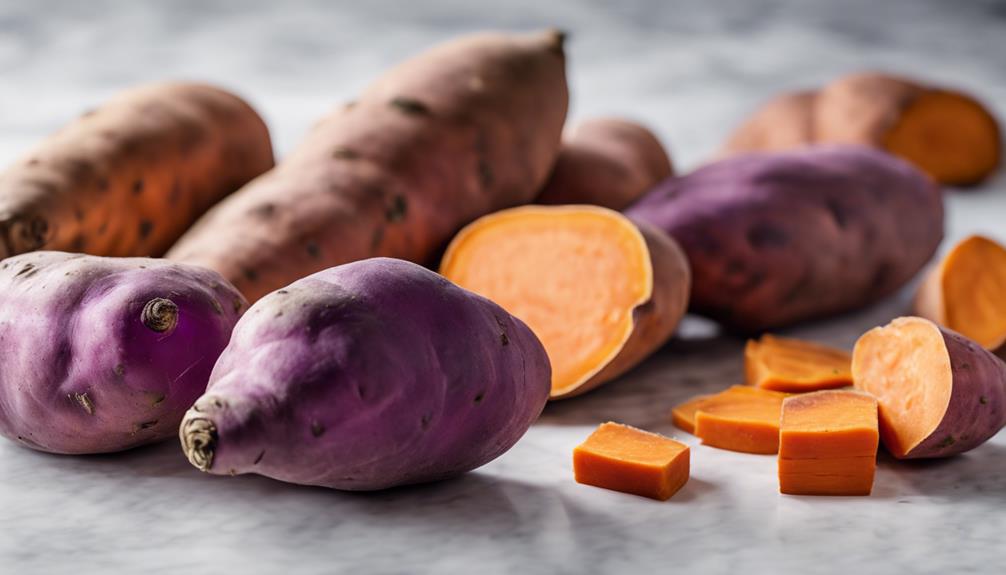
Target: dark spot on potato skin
[(410, 106), (138, 187), (881, 276), (32, 162), (78, 243), (838, 213), (397, 210), (78, 214), (983, 400), (176, 192), (119, 369), (146, 424), (767, 236), (219, 309), (258, 459), (480, 397), (27, 271), (317, 429), (265, 210), (282, 292), (103, 184), (238, 305), (343, 153), (312, 250), (947, 442), (84, 401), (424, 421), (250, 274), (146, 226)]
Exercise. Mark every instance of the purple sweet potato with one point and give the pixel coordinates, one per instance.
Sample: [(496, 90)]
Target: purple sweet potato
[(104, 354), (940, 393), (774, 239), (365, 376)]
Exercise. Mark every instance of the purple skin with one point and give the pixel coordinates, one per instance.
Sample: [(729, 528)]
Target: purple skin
[(977, 409), (366, 376), (778, 238), (105, 354)]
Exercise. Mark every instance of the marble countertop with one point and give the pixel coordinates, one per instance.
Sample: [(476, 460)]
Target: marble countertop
[(690, 69)]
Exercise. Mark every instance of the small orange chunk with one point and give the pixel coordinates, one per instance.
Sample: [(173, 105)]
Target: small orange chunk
[(683, 415), (631, 460), (795, 366), (828, 443), (741, 419)]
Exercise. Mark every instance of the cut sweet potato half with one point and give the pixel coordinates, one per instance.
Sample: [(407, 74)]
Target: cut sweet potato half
[(966, 292), (795, 366), (599, 291), (742, 419), (939, 393), (631, 460)]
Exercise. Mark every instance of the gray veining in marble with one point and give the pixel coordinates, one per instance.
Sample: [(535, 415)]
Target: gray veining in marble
[(690, 69)]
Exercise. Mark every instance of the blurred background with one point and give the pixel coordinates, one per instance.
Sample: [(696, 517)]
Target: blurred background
[(691, 70)]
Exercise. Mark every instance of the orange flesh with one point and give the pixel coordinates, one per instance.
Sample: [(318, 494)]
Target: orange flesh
[(742, 419), (574, 274), (860, 483), (796, 366), (630, 460), (906, 366), (949, 135), (683, 415), (973, 278)]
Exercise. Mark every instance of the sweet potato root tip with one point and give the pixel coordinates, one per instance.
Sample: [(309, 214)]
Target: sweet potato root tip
[(626, 459), (199, 438), (795, 366)]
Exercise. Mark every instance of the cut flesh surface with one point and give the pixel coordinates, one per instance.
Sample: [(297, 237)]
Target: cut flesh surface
[(742, 419), (793, 365), (973, 277), (574, 274)]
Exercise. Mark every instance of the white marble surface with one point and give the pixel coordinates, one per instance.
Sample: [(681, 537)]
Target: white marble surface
[(690, 69)]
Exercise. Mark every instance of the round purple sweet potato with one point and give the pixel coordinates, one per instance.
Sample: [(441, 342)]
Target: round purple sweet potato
[(779, 238), (365, 376), (104, 354)]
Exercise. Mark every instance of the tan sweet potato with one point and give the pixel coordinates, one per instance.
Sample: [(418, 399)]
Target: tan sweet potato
[(782, 123), (600, 291), (128, 178), (464, 129), (608, 162)]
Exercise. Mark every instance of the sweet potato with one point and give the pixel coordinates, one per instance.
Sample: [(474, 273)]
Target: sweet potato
[(940, 393), (782, 123), (129, 178), (683, 414), (599, 291), (828, 443), (742, 419), (607, 162), (774, 239), (366, 376), (631, 460), (465, 129), (104, 354), (795, 366), (946, 133), (966, 292)]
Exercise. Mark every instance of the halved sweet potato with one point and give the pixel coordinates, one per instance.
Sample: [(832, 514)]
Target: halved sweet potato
[(631, 460), (599, 291), (795, 366), (940, 393), (966, 292), (741, 419), (782, 123)]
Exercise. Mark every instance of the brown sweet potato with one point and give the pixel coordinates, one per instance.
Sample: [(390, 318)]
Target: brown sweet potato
[(467, 128), (608, 162), (129, 178), (782, 123)]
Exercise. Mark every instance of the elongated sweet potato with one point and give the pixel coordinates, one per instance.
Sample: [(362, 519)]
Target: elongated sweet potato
[(599, 291), (631, 460), (607, 162), (940, 393), (465, 129), (742, 419), (774, 239), (104, 354), (129, 178), (946, 133), (795, 366), (784, 122), (366, 376), (966, 292)]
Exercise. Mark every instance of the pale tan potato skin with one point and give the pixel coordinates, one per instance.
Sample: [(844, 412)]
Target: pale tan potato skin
[(609, 162), (467, 128), (128, 178), (782, 123)]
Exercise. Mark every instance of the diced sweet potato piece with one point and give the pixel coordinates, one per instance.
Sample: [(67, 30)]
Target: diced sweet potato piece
[(683, 415), (818, 484), (828, 424), (741, 419), (965, 292), (631, 460), (795, 366)]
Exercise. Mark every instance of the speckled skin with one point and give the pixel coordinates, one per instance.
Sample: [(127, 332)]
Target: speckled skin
[(775, 239), (81, 371), (469, 127), (366, 376)]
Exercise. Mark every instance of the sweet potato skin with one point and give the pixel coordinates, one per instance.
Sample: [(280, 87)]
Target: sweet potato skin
[(782, 123), (366, 376), (609, 162), (775, 239), (105, 354), (465, 129), (128, 178)]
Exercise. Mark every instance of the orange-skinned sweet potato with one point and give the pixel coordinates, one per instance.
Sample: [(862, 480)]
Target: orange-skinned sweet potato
[(462, 130), (600, 291), (128, 178), (742, 419), (966, 292), (782, 123), (631, 460), (795, 366), (607, 162)]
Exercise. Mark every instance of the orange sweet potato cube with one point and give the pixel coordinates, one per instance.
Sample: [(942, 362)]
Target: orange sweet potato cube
[(742, 419), (631, 460)]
